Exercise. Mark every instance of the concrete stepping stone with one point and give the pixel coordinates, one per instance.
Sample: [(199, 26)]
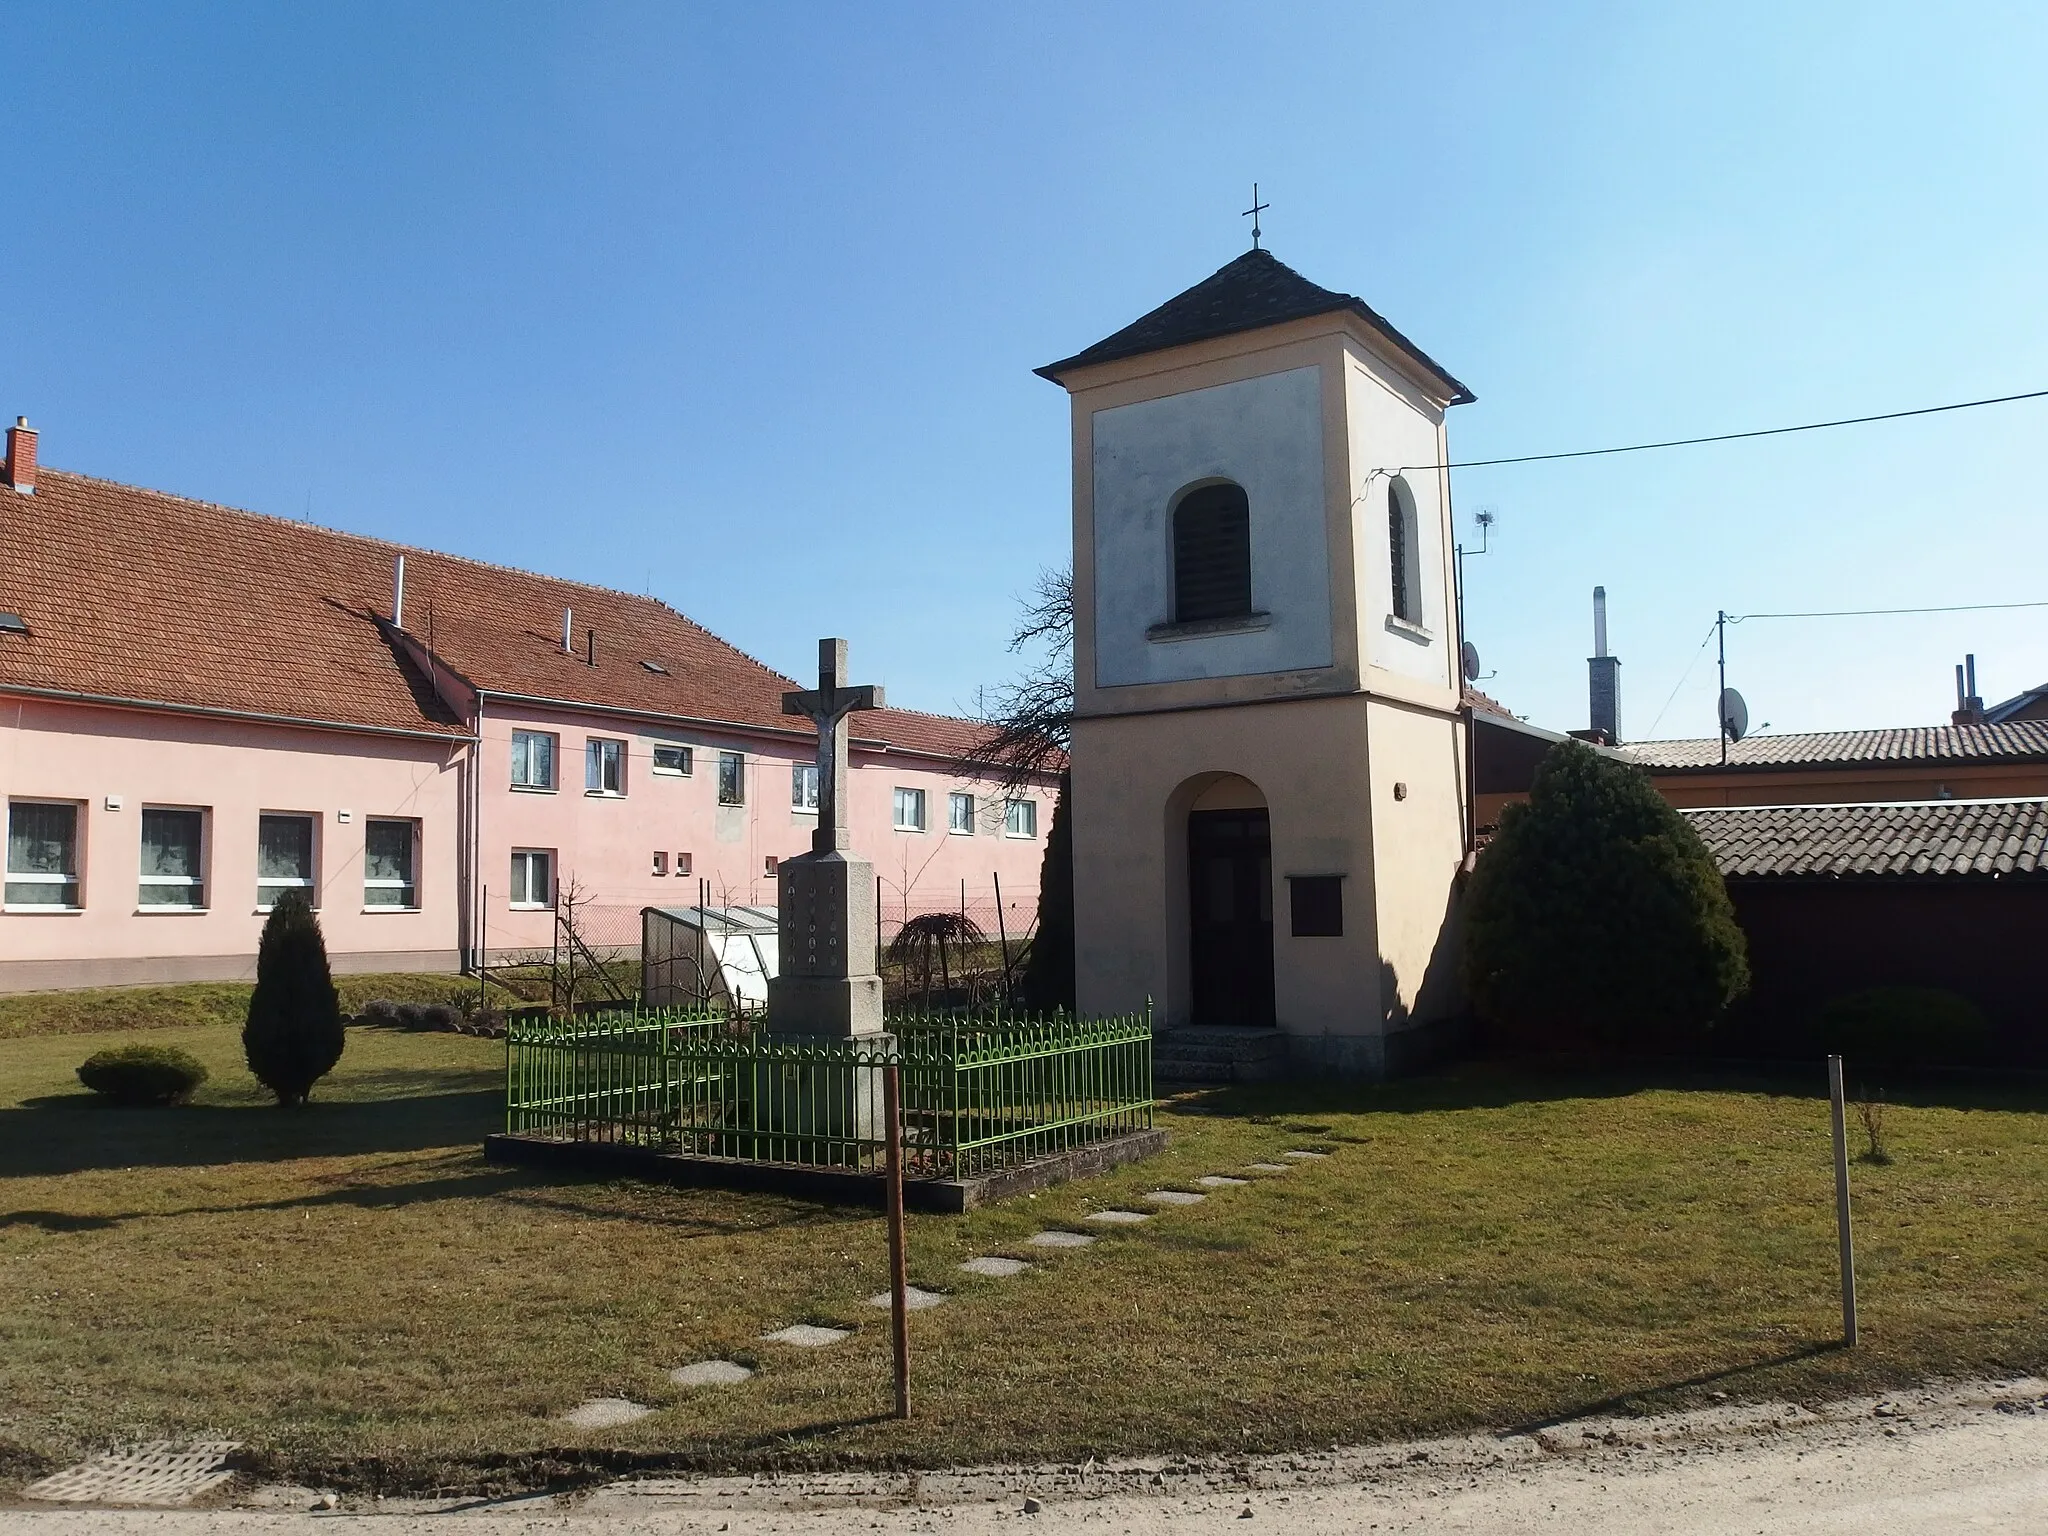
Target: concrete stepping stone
[(1120, 1218), (162, 1472), (997, 1269), (1055, 1238), (1267, 1167), (1174, 1197), (914, 1299), (807, 1335), (606, 1413), (1220, 1181), (1298, 1156), (711, 1373)]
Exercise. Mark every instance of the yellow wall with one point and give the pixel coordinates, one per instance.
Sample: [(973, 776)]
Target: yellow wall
[(1326, 770)]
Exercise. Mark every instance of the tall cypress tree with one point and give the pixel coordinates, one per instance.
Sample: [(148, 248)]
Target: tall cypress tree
[(1048, 981), (1596, 916), (293, 1036)]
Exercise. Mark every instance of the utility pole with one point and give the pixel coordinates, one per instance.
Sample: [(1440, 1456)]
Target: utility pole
[(1720, 698)]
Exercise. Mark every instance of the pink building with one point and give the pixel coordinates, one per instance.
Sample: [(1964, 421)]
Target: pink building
[(200, 707)]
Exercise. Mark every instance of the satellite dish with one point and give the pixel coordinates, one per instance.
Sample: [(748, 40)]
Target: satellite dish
[(1734, 714), (1468, 660)]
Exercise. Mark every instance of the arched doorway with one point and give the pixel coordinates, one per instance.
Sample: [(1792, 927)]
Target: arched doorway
[(1230, 906)]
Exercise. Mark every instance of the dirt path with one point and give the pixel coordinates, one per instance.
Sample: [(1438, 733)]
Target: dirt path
[(1967, 1458)]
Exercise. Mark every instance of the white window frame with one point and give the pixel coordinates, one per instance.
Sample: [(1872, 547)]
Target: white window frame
[(194, 884), (803, 788), (75, 877), (958, 825), (683, 770), (385, 883), (597, 751), (905, 794), (311, 883), (661, 863), (737, 761), (1011, 808), (525, 858), (528, 785)]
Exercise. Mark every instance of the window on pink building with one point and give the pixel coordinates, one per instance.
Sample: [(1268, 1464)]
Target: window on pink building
[(390, 863), (533, 877), (533, 760), (284, 857), (42, 854), (172, 858)]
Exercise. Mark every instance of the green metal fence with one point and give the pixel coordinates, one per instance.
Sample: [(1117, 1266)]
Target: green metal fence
[(978, 1094)]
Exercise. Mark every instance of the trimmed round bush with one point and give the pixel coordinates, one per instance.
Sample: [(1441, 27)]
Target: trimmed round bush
[(1596, 918), (1905, 1027), (143, 1074)]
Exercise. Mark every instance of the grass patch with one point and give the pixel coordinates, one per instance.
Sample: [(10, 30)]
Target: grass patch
[(102, 1010), (353, 1291)]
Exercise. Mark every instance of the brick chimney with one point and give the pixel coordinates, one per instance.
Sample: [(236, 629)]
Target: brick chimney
[(1969, 703), (21, 456)]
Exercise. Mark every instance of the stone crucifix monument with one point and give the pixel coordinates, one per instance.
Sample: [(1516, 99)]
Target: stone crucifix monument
[(826, 983)]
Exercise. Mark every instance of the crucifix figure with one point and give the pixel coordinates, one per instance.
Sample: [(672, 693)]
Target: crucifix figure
[(827, 707), (1253, 213)]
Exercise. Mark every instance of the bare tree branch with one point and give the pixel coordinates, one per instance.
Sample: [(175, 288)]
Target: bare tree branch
[(1030, 718)]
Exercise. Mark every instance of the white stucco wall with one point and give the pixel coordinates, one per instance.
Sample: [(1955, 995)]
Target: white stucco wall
[(1393, 428), (1264, 433)]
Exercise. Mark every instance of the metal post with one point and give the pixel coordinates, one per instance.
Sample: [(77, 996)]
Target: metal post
[(1848, 1252), (899, 1309), (1721, 647), (1002, 933)]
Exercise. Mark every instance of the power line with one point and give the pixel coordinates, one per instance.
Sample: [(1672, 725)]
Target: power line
[(1696, 655), (1730, 437), (1874, 613)]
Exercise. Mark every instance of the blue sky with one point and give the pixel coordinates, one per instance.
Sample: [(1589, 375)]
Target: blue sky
[(739, 305)]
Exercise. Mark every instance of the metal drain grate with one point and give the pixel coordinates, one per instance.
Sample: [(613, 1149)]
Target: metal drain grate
[(159, 1472)]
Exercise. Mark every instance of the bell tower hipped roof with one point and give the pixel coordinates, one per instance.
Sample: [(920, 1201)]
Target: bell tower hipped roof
[(1255, 290)]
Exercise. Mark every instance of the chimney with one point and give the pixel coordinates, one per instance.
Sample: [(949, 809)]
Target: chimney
[(21, 456), (398, 593), (1969, 706), (568, 632), (1603, 678)]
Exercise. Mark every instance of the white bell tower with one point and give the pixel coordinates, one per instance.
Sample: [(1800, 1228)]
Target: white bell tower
[(1269, 803)]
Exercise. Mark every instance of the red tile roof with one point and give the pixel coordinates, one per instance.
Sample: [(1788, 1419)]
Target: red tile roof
[(139, 595)]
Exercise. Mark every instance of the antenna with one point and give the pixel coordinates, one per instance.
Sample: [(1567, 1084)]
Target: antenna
[(1468, 661)]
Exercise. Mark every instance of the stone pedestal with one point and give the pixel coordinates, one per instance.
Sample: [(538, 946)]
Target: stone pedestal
[(825, 983)]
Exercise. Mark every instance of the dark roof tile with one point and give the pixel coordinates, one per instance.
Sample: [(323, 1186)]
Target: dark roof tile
[(2014, 741), (1954, 838), (1253, 291)]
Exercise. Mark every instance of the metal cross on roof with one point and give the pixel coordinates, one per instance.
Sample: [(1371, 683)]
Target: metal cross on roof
[(827, 706), (1253, 213)]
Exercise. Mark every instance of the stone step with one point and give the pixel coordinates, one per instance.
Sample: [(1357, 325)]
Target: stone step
[(1218, 1055)]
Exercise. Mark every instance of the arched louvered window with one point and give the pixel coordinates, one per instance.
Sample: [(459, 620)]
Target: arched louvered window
[(1212, 555), (1402, 563)]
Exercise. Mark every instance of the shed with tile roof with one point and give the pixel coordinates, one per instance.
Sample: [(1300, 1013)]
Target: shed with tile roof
[(1836, 898)]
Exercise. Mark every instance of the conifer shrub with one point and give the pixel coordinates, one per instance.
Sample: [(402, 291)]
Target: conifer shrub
[(1048, 980), (294, 1035), (143, 1074), (1904, 1027), (1596, 918)]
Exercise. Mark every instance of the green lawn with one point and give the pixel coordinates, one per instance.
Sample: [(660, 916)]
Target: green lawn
[(99, 1010), (354, 1292)]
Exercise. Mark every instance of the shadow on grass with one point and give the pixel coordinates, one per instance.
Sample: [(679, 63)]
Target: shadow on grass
[(1494, 1083), (508, 1186), (1652, 1399), (76, 1133)]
